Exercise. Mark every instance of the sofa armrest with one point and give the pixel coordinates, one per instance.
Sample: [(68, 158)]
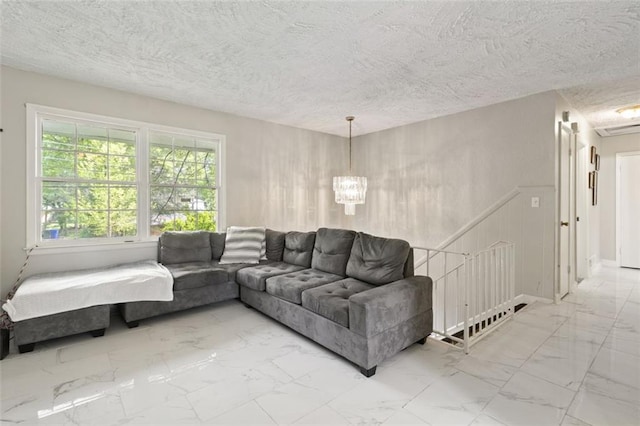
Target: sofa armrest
[(389, 305)]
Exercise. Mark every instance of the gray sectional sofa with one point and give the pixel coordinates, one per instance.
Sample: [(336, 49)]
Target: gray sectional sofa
[(354, 293)]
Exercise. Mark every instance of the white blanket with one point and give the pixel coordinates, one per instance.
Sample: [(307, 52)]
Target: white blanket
[(53, 293)]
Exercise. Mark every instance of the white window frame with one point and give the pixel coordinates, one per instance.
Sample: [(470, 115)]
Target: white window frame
[(35, 115)]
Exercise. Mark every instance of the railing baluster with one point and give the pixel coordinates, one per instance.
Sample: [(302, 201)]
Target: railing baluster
[(446, 287), (484, 291)]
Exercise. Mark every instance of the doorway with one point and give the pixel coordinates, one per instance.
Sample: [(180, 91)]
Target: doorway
[(628, 209)]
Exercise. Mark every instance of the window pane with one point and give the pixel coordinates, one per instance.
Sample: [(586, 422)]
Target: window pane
[(123, 197), (123, 223), (58, 196), (122, 168), (92, 224), (58, 224), (157, 138), (58, 135), (161, 199), (184, 199), (184, 167), (161, 170), (58, 164), (93, 197), (92, 166), (206, 174), (122, 148), (92, 139), (207, 196), (122, 135), (207, 221), (58, 142)]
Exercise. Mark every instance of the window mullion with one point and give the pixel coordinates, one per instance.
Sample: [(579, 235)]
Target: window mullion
[(142, 172)]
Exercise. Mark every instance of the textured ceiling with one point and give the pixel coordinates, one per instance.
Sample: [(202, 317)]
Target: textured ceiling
[(309, 64), (599, 102)]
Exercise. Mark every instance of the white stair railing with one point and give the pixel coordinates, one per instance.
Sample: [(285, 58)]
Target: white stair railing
[(472, 293)]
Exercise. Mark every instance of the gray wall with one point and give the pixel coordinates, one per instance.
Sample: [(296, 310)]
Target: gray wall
[(277, 176), (610, 146), (428, 179)]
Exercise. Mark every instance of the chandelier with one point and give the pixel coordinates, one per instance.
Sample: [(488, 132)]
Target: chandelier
[(350, 190)]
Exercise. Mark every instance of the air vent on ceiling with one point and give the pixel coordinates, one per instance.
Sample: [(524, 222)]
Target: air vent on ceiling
[(619, 130)]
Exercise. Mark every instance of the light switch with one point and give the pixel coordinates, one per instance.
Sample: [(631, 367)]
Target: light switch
[(535, 202)]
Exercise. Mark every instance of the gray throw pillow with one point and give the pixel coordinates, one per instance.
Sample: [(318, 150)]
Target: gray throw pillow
[(242, 245)]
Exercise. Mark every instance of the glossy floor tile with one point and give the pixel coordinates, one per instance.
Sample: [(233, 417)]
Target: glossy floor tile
[(575, 363)]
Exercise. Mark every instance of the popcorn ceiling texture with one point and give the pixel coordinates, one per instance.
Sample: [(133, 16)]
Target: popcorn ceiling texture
[(599, 102), (309, 64)]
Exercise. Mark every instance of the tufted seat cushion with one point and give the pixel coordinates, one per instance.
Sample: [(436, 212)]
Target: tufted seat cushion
[(196, 274), (255, 277), (290, 286), (332, 300)]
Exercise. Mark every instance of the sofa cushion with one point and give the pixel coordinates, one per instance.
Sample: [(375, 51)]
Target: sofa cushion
[(217, 244), (298, 248), (242, 245), (332, 300), (183, 247), (196, 274), (290, 286), (331, 250), (233, 268), (255, 277), (376, 260), (275, 244)]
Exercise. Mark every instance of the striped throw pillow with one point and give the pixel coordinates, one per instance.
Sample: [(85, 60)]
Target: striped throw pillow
[(243, 245)]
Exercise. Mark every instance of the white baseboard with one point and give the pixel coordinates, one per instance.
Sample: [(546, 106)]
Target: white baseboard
[(528, 299), (609, 263)]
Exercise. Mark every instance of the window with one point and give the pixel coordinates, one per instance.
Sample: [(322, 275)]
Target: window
[(182, 183), (98, 179)]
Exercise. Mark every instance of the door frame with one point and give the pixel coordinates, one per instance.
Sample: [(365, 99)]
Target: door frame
[(565, 125), (581, 200), (618, 230)]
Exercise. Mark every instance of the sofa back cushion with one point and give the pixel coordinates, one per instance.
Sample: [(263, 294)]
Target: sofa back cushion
[(298, 248), (182, 247), (377, 260), (275, 244), (409, 270), (242, 244), (331, 250), (217, 244)]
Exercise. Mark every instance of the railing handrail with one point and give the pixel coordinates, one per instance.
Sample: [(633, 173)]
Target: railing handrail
[(431, 253), (482, 216), (440, 251)]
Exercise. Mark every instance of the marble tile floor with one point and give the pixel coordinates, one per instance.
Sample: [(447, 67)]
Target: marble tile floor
[(576, 363)]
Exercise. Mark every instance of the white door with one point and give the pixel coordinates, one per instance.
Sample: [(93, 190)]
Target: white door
[(629, 210), (565, 209)]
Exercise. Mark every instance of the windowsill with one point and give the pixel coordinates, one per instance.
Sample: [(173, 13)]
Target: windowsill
[(94, 247)]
